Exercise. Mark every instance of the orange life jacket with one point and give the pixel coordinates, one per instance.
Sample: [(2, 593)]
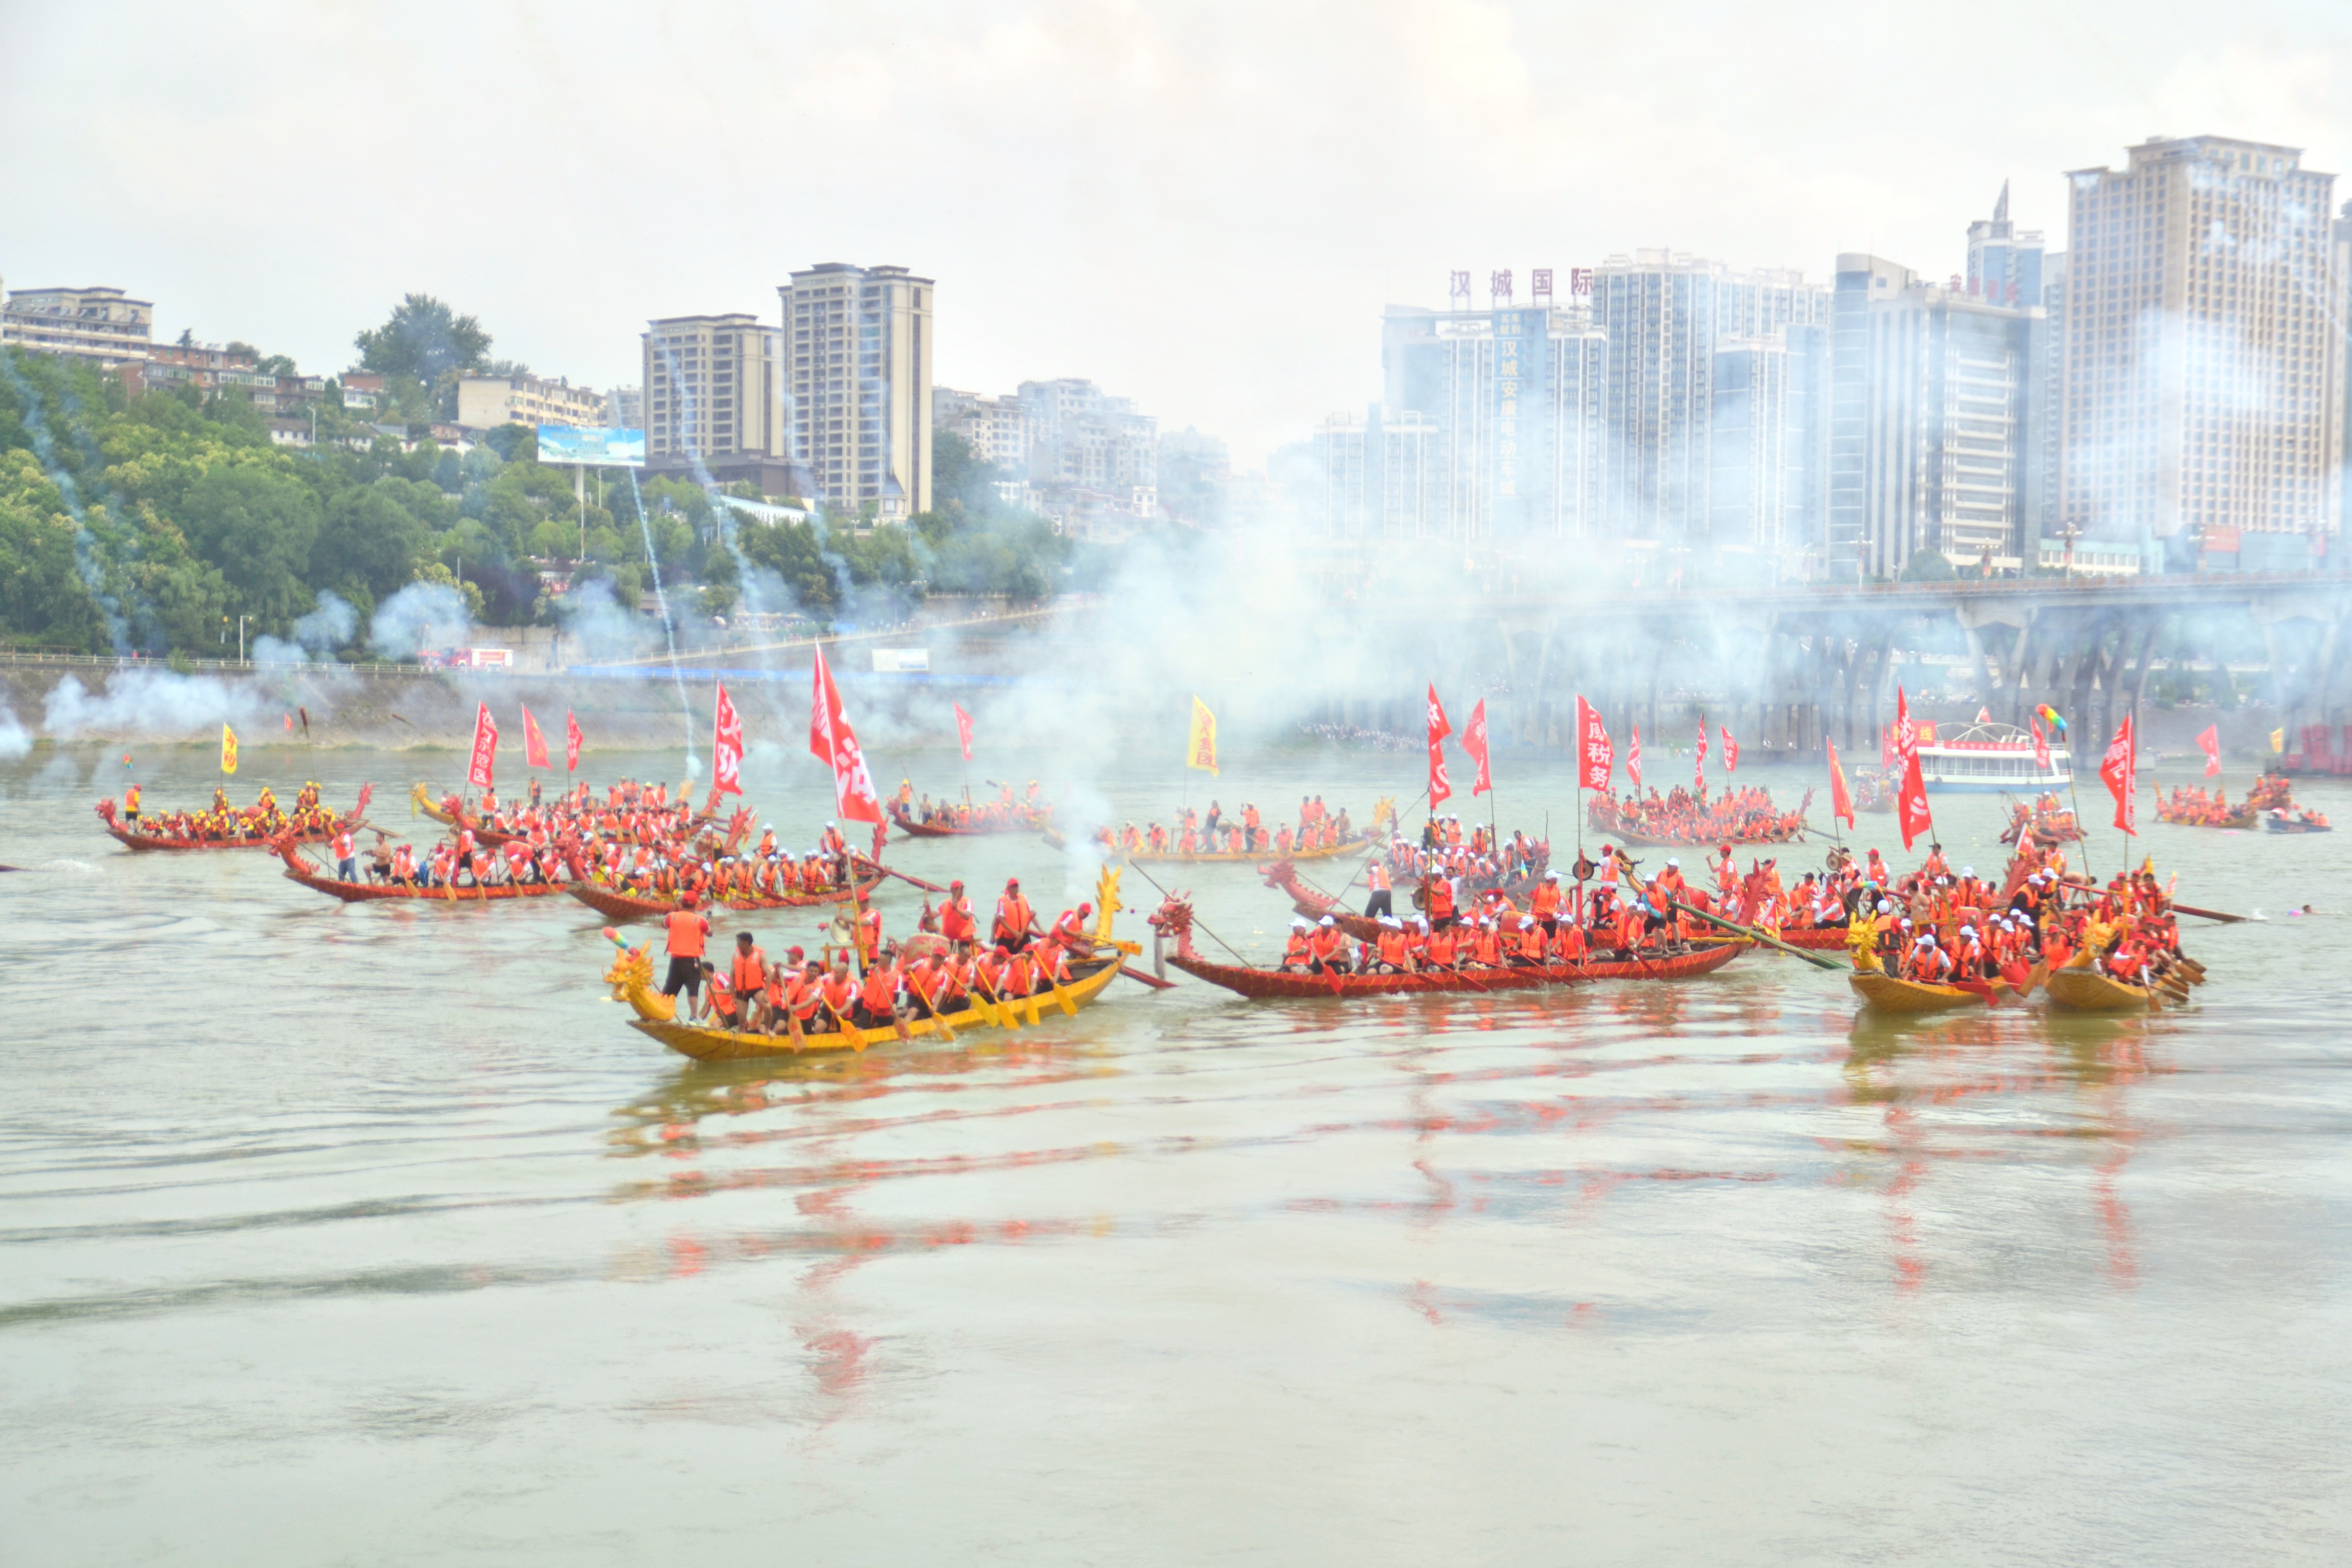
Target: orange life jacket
[(687, 930)]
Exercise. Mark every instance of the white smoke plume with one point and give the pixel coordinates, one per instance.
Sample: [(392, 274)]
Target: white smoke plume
[(148, 702), (600, 630), (15, 739), (421, 617), (316, 634)]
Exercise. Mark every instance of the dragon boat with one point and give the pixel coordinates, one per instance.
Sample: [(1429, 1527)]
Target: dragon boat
[(1361, 844), (620, 904), (1174, 920), (2045, 823), (2083, 989), (914, 826), (300, 869), (631, 976), (493, 837), (134, 837)]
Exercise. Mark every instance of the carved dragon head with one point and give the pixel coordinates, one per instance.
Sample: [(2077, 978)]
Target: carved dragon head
[(1174, 918)]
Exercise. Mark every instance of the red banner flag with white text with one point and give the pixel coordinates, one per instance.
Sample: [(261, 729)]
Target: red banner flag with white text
[(1911, 802), (1699, 760), (2120, 770), (2041, 747), (1474, 741), (534, 744), (964, 729), (1907, 733), (1596, 754), (1439, 789), (571, 741), (2209, 742), (486, 747), (725, 747), (1634, 757), (832, 741), (1840, 798), (1731, 753)]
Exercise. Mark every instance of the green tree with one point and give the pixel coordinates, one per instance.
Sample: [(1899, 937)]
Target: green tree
[(259, 528), (423, 338), (1927, 566), (370, 540)]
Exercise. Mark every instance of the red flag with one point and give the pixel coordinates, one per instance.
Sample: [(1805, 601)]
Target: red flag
[(486, 747), (1886, 747), (1634, 757), (571, 741), (367, 794), (2120, 769), (964, 729), (1911, 805), (726, 746), (534, 744), (1698, 759), (289, 723), (1474, 741), (832, 741), (2041, 747), (1596, 754), (2209, 742), (1731, 753), (1840, 798), (1907, 733), (1439, 789)]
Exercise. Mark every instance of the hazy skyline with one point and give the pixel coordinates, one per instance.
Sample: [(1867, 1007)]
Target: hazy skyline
[(1202, 207)]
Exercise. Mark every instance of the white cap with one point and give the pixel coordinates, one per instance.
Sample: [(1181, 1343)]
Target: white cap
[(1927, 940), (1883, 906), (1327, 920), (1298, 923), (1672, 861)]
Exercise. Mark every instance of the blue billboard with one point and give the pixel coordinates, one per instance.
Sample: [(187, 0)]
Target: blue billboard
[(592, 446)]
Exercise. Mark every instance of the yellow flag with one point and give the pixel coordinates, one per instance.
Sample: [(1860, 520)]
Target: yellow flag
[(228, 750), (2278, 740), (1201, 750)]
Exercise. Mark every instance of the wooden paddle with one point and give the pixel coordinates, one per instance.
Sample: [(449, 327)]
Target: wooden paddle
[(1815, 958), (916, 881)]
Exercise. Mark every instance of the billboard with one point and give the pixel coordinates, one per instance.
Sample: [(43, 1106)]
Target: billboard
[(901, 661), (592, 446)]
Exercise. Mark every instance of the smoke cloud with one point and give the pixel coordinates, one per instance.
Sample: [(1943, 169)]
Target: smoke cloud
[(316, 634), (148, 702), (420, 617), (14, 739)]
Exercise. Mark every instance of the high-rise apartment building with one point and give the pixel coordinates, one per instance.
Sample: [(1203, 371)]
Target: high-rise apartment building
[(1932, 422), (2205, 354), (995, 428), (1768, 447), (102, 325), (625, 406), (1079, 438), (714, 401), (1665, 315), (1499, 416), (2004, 262), (861, 344)]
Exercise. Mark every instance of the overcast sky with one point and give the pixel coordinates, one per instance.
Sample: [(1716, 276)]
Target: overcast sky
[(1202, 206)]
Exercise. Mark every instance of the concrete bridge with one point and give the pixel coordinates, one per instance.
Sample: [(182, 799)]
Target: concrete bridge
[(1790, 665)]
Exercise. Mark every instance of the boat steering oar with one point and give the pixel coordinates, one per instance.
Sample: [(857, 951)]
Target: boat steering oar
[(915, 881), (1815, 958)]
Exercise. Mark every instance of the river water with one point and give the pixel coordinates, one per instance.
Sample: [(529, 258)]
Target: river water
[(375, 1236)]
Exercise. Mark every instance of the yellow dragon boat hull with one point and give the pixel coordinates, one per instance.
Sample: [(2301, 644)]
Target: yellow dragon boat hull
[(708, 1045), (2088, 991), (632, 979), (1889, 994)]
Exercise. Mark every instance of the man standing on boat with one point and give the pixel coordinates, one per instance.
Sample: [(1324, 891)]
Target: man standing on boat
[(686, 933), (1376, 877)]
